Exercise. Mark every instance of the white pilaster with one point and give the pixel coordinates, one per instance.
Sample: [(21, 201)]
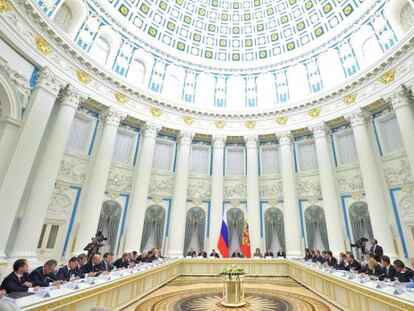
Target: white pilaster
[(330, 192), (253, 201), (374, 181), (14, 181), (136, 215), (179, 210), (44, 182), (402, 102), (217, 184), (9, 129), (96, 179), (290, 197)]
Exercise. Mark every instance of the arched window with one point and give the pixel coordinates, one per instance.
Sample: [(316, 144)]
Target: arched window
[(266, 90), (195, 229), (298, 82), (205, 88), (100, 50), (235, 224), (407, 17), (330, 69), (400, 15), (153, 231), (109, 220), (274, 229), (171, 87), (136, 72), (316, 232), (366, 46), (63, 17)]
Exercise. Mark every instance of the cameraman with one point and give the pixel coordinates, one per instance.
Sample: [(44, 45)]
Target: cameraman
[(93, 247)]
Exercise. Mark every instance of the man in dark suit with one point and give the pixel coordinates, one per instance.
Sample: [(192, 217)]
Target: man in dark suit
[(43, 276), (236, 254), (94, 267), (341, 264), (351, 263), (202, 253), (389, 271), (82, 260), (69, 271), (404, 274), (214, 254), (191, 253), (18, 280), (281, 253), (107, 262), (123, 262), (268, 253), (330, 259), (377, 250), (318, 257)]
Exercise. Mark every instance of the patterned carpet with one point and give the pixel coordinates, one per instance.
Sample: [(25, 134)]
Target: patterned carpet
[(205, 293)]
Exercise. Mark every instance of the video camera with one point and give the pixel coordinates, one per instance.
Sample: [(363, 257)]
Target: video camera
[(361, 245), (100, 237)]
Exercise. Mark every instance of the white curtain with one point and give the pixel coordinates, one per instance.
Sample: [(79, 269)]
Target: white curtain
[(307, 156), (163, 154), (235, 162), (79, 133), (346, 150), (200, 162), (124, 146), (391, 135), (270, 160)]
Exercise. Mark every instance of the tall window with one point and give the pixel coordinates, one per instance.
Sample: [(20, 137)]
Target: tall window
[(136, 72), (79, 134), (307, 156), (124, 148), (345, 146), (200, 160), (48, 236), (390, 134), (100, 50), (234, 161), (63, 17), (269, 160), (163, 155)]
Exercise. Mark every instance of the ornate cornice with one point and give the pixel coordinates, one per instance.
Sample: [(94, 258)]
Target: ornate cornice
[(358, 117), (49, 81), (251, 141), (285, 138), (402, 97), (111, 116), (319, 130), (151, 130), (71, 97)]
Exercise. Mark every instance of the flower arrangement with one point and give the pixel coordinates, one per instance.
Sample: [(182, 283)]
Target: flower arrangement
[(232, 271)]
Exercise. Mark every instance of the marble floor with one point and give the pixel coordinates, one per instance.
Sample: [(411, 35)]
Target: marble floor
[(204, 294)]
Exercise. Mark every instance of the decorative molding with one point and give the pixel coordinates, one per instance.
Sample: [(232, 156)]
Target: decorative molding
[(121, 98), (271, 189), (49, 81), (235, 190), (388, 77), (188, 120), (348, 183), (315, 112), (198, 189), (350, 98), (119, 181), (156, 112), (5, 6), (73, 170), (308, 187), (83, 76), (151, 130), (282, 120), (358, 117), (43, 46), (397, 175), (111, 116), (250, 124), (220, 124), (319, 130)]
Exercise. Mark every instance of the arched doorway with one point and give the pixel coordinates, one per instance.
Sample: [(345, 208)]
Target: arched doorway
[(194, 229), (316, 233), (109, 224), (274, 229), (153, 231), (235, 223)]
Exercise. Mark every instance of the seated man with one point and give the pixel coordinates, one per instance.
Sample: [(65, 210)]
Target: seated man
[(257, 253), (236, 254), (82, 260), (95, 267), (318, 257), (389, 271), (43, 276), (18, 280), (403, 274), (202, 253), (281, 253), (158, 253), (351, 263), (214, 254), (136, 257), (268, 253), (308, 255), (341, 264), (149, 257), (191, 253), (131, 259), (107, 262), (123, 262), (330, 259), (69, 271)]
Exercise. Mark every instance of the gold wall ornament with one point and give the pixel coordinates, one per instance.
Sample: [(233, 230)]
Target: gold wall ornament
[(5, 6), (388, 77), (83, 76), (250, 124), (189, 120), (350, 98), (121, 98), (43, 46), (156, 112), (282, 120), (315, 112), (220, 124)]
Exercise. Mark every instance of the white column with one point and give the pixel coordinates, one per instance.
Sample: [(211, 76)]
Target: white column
[(253, 202), (330, 194), (374, 181), (14, 181), (96, 179), (290, 197), (9, 129), (136, 215), (43, 184), (217, 183), (179, 204), (402, 103)]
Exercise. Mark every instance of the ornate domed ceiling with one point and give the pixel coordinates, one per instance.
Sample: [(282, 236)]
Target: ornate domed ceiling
[(229, 55)]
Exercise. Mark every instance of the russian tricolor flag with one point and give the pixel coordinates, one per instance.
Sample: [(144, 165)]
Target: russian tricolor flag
[(223, 242)]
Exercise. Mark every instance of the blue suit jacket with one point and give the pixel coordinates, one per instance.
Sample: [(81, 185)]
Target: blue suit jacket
[(38, 278)]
